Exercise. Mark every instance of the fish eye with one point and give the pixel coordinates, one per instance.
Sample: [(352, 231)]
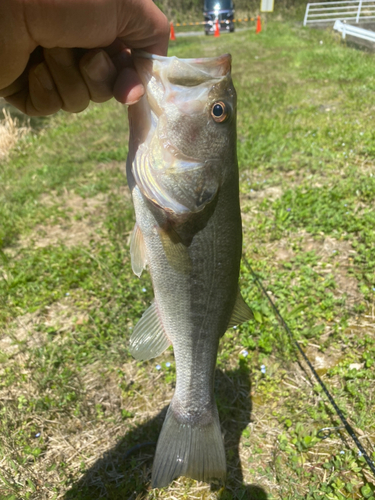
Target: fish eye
[(219, 111)]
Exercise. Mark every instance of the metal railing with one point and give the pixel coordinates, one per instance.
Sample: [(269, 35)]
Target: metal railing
[(348, 10), (347, 29)]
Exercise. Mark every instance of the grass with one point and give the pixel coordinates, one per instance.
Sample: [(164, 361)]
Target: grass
[(10, 133), (73, 403)]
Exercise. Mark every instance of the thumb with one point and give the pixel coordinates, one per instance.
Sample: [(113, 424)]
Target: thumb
[(75, 23)]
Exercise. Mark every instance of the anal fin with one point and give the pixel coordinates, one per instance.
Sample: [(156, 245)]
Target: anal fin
[(148, 339), (241, 312)]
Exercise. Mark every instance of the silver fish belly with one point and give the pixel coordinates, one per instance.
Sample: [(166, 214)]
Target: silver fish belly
[(183, 175)]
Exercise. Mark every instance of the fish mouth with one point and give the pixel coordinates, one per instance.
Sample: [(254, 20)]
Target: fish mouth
[(182, 84), (187, 72)]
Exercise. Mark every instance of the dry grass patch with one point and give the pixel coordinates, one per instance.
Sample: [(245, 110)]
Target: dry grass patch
[(76, 220), (81, 220), (24, 332), (10, 133), (325, 247), (80, 223)]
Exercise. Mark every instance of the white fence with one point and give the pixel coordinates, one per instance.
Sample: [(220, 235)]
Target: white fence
[(347, 29), (349, 10)]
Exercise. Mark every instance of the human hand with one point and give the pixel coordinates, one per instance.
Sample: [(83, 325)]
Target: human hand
[(61, 55)]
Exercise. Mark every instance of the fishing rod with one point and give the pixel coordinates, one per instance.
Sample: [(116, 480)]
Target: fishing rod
[(345, 423)]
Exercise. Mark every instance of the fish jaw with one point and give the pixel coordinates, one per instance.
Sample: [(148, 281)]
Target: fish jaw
[(184, 72)]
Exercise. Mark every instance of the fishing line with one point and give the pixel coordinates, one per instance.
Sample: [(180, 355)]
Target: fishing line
[(345, 423)]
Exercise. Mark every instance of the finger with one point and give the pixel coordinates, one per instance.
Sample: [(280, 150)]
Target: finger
[(43, 98), (99, 74), (18, 85), (70, 85), (22, 81), (40, 98), (115, 48), (122, 59), (128, 88), (147, 29)]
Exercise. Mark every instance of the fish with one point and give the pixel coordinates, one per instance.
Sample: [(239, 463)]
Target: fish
[(183, 175)]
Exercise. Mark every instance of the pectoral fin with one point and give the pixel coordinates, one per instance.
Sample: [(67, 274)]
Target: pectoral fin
[(176, 252), (241, 312), (137, 251), (148, 339)]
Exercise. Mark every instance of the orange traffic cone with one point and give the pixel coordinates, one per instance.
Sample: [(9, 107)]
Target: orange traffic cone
[(259, 25), (172, 33), (217, 28)]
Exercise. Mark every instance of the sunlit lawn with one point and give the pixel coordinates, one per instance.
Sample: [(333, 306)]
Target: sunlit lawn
[(73, 403)]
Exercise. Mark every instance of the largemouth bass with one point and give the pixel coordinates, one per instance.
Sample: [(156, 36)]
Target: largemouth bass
[(183, 175)]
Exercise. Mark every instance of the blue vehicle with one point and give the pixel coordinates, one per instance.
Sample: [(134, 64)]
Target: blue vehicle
[(221, 10)]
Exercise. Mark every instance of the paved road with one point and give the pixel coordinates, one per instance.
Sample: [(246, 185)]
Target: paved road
[(198, 33)]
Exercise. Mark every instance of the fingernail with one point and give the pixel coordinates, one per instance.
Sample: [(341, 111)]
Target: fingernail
[(42, 74), (98, 68), (128, 88), (135, 94)]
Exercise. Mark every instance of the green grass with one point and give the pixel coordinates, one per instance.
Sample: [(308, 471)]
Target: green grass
[(72, 400)]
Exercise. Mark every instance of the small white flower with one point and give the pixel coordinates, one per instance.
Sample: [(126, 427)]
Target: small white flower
[(158, 367), (263, 369), (244, 353)]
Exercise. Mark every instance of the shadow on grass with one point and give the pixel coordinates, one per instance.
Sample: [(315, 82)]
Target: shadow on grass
[(124, 472)]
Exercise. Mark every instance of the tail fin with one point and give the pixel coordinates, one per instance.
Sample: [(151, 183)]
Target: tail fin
[(188, 450)]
